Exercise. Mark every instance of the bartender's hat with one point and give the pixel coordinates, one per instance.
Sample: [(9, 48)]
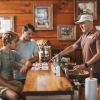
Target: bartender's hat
[(85, 17)]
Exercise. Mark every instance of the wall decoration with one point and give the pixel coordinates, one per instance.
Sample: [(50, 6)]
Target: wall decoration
[(98, 27), (85, 7), (43, 17), (6, 23), (66, 32)]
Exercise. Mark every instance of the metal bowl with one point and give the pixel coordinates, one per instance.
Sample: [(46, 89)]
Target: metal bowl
[(68, 70), (80, 75)]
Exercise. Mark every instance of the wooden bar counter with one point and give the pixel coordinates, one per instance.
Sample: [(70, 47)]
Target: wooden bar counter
[(45, 82)]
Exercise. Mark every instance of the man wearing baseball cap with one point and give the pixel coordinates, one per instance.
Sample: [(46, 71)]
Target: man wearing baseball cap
[(84, 18), (89, 42)]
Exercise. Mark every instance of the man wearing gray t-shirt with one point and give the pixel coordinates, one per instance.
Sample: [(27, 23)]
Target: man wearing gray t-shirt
[(27, 48)]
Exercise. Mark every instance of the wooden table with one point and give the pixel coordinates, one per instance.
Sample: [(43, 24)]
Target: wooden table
[(45, 82)]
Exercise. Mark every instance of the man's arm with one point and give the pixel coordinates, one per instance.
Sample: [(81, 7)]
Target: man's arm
[(27, 65), (16, 66), (68, 50), (97, 55), (87, 64), (94, 58), (35, 57), (65, 51)]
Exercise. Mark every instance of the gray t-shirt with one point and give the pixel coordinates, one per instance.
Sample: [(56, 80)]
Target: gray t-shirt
[(7, 61), (26, 50), (90, 43)]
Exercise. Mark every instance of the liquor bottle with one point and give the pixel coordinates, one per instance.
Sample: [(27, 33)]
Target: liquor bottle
[(46, 53), (57, 64)]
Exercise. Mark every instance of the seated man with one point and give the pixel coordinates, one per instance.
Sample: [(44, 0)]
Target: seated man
[(9, 87), (27, 47)]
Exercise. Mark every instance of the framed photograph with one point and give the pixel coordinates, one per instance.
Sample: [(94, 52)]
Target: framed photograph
[(6, 23), (85, 7), (98, 27), (43, 17), (66, 32)]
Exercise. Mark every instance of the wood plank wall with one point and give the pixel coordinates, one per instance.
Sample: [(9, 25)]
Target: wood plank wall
[(23, 11)]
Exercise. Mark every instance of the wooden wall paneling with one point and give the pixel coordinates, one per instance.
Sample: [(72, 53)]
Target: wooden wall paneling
[(22, 19), (64, 6), (1, 44), (64, 19), (39, 34), (45, 34), (16, 7), (60, 44), (63, 13), (23, 10), (24, 13)]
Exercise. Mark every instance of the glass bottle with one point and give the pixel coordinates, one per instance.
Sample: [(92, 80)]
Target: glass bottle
[(57, 64)]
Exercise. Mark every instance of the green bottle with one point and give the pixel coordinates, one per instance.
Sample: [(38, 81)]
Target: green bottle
[(57, 63)]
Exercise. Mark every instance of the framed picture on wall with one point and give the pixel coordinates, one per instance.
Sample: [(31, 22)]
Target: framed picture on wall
[(6, 23), (66, 32), (43, 17), (85, 7), (98, 27)]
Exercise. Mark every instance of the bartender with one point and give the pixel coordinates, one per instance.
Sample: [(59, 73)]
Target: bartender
[(89, 41)]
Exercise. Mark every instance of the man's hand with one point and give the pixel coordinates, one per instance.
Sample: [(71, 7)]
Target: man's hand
[(77, 69), (54, 58), (80, 67), (23, 69)]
